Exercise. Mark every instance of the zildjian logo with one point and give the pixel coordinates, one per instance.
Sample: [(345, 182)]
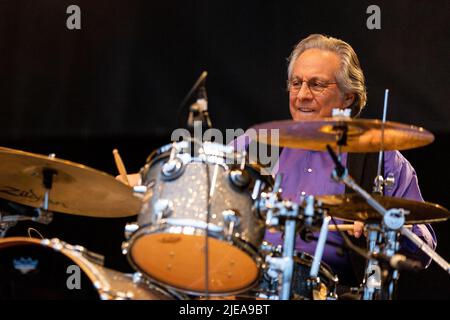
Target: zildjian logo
[(29, 195)]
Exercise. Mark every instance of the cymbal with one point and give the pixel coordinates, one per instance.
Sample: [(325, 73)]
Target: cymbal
[(363, 135), (76, 189), (352, 207)]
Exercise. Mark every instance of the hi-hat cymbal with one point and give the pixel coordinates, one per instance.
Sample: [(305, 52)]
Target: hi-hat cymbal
[(353, 207), (76, 189), (363, 135)]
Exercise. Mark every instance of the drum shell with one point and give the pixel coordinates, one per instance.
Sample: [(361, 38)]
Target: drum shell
[(188, 196)]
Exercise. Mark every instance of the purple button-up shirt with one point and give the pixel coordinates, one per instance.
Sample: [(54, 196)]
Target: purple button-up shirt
[(308, 172)]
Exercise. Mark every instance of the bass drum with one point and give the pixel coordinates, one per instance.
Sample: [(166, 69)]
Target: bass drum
[(51, 269)]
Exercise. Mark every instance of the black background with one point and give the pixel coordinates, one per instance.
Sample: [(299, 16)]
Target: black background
[(119, 81)]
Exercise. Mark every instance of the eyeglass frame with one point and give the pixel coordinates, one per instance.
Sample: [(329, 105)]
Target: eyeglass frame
[(324, 85)]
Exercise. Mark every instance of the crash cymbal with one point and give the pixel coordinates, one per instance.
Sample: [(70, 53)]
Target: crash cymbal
[(353, 207), (76, 189), (363, 135)]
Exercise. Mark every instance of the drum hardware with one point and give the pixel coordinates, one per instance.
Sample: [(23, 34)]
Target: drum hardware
[(172, 168), (380, 182), (88, 254), (239, 178), (42, 214), (282, 211), (392, 223), (372, 278), (314, 282), (8, 221), (232, 220)]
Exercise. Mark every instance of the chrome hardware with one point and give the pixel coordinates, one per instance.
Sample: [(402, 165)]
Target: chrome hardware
[(239, 178), (130, 228)]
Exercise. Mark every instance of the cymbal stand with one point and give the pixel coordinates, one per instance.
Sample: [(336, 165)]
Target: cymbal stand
[(379, 180), (341, 129), (41, 215), (6, 222)]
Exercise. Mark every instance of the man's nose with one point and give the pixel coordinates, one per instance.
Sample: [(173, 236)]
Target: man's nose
[(304, 92)]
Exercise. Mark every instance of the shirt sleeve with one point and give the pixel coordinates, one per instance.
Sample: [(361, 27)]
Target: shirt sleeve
[(406, 186)]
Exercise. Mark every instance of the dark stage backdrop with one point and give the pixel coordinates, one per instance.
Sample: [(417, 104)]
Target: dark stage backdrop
[(120, 79)]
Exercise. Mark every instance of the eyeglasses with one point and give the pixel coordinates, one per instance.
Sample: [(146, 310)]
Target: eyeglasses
[(314, 85)]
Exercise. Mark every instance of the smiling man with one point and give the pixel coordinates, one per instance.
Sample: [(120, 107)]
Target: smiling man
[(324, 73)]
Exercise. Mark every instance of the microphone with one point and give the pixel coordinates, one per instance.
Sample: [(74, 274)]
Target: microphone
[(399, 262), (199, 109)]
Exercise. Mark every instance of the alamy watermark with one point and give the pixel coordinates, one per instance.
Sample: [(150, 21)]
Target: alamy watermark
[(374, 20), (74, 280), (73, 21), (261, 146)]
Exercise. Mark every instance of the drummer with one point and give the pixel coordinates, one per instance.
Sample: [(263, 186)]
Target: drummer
[(325, 73)]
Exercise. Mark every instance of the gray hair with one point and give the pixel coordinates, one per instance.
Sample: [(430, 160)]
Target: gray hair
[(350, 77)]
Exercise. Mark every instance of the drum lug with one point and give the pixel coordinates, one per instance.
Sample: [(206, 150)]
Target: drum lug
[(172, 169), (139, 190), (232, 220), (130, 228), (239, 178), (163, 208), (125, 246), (116, 295)]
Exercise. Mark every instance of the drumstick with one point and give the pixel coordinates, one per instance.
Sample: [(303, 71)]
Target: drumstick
[(347, 227), (120, 166)]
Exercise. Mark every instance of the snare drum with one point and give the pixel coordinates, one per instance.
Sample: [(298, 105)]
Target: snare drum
[(184, 191), (51, 269)]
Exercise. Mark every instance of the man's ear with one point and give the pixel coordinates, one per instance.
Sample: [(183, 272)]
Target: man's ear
[(348, 99)]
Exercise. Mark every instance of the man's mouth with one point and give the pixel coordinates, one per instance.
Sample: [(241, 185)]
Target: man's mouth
[(305, 109)]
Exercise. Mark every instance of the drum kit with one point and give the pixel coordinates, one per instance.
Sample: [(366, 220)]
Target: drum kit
[(202, 212)]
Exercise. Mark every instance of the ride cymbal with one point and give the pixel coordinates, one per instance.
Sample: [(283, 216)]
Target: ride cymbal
[(362, 135)]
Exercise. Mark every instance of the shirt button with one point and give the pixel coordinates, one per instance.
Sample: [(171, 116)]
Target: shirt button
[(309, 170)]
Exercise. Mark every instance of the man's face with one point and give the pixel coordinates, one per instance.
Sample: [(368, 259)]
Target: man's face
[(318, 68)]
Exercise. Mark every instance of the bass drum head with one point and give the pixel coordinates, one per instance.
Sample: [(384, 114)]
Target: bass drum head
[(29, 270), (33, 270)]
